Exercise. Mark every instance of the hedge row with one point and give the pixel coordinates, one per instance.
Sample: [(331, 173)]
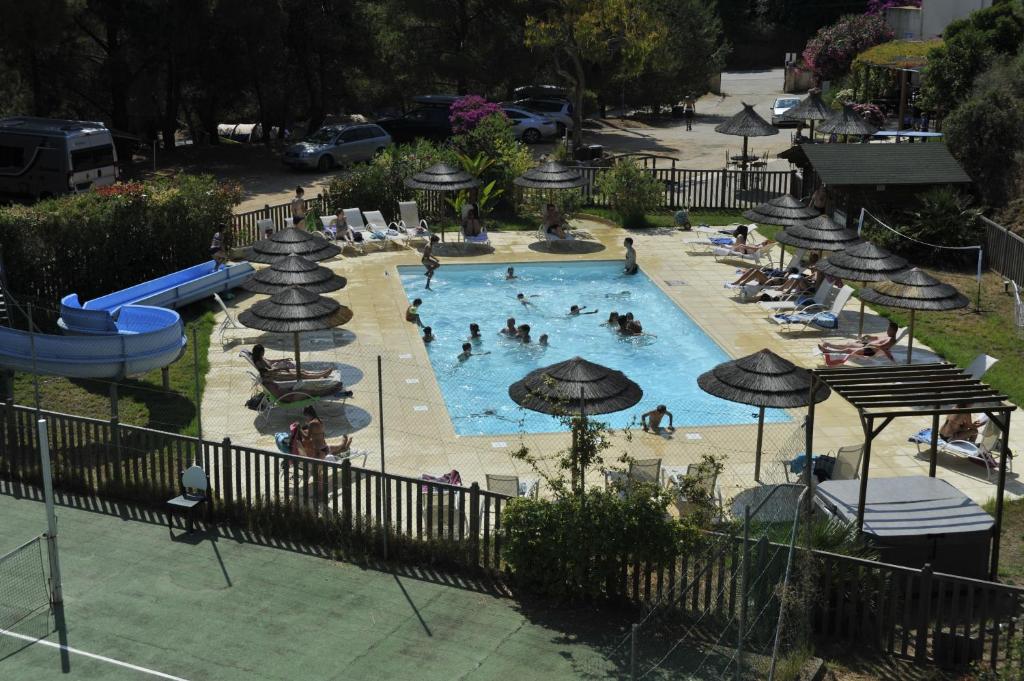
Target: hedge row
[(105, 240)]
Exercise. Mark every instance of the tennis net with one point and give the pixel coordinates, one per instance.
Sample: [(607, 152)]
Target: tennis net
[(23, 589)]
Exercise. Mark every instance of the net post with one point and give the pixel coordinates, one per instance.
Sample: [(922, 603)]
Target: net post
[(56, 589)]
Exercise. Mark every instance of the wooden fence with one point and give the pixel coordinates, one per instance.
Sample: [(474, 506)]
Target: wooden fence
[(693, 189), (1004, 251), (895, 610)]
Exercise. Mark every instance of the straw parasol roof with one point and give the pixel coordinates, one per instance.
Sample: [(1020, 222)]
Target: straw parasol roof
[(442, 177), (551, 175), (763, 380), (847, 122), (819, 234), (747, 123), (812, 108), (294, 270), (291, 241), (914, 290), (559, 389), (863, 262), (782, 210)]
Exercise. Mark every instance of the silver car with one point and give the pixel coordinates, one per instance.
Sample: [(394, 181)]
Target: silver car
[(530, 126), (337, 145), (779, 108), (558, 110)]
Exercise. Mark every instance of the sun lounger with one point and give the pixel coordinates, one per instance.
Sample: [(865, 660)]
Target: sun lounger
[(379, 226), (824, 295), (979, 366), (984, 454), (750, 289), (880, 355), (295, 396), (815, 315), (411, 223), (230, 326), (641, 470), (512, 486), (480, 239), (760, 249), (705, 479)]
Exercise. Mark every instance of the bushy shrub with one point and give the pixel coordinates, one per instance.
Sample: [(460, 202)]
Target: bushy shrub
[(102, 241), (380, 185), (632, 191), (831, 51), (567, 201), (493, 137), (871, 113), (469, 111), (574, 546)]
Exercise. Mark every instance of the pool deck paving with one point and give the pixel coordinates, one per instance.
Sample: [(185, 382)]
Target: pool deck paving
[(419, 437), (211, 607)]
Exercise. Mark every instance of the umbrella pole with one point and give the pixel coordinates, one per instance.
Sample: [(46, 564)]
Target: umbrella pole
[(860, 328), (582, 464), (743, 165), (760, 441), (910, 338), (298, 362)]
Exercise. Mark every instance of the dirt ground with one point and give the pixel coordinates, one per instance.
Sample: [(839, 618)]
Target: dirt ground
[(265, 180)]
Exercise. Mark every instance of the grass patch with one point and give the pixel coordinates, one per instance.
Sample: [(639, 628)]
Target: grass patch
[(666, 218), (142, 401)]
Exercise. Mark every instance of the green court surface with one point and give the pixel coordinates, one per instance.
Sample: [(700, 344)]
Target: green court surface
[(216, 608)]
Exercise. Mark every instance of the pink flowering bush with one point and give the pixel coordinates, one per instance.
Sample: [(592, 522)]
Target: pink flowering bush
[(830, 52), (879, 6), (467, 112), (871, 113)]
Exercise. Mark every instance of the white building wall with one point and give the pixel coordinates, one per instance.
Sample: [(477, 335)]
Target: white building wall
[(931, 20)]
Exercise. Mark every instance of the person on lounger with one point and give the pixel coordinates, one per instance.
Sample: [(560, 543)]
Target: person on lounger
[(744, 247), (342, 230), (872, 343), (473, 226), (552, 221), (281, 369), (961, 426), (287, 394), (314, 441)]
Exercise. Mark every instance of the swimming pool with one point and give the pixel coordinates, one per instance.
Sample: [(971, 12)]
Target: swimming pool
[(665, 364)]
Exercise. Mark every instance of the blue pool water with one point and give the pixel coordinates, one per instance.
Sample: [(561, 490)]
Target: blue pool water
[(665, 364)]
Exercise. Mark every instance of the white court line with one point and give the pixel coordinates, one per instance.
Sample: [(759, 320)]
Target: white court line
[(76, 651)]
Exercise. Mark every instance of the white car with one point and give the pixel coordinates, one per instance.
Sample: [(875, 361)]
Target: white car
[(780, 106), (529, 126), (558, 110)]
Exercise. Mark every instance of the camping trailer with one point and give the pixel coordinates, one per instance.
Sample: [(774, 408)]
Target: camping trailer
[(41, 157)]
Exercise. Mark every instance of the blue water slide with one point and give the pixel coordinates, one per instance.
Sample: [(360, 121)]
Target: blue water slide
[(99, 315), (144, 338)]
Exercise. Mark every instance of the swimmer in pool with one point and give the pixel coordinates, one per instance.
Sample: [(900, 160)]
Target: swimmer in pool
[(543, 340), (510, 273), (428, 334), (613, 320), (510, 328), (523, 333), (523, 301), (474, 332), (576, 310), (651, 421), (467, 352)]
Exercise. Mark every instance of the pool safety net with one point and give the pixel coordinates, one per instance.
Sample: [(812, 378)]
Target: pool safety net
[(23, 589)]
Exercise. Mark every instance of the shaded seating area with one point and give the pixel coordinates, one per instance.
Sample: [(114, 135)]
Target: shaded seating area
[(881, 395)]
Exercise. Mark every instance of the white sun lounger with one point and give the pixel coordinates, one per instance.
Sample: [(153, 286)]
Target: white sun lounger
[(985, 454), (379, 226), (411, 223), (759, 250), (816, 315)]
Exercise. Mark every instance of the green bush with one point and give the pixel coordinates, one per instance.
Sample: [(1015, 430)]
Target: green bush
[(942, 217), (574, 547), (380, 184), (105, 240), (632, 191), (493, 137)]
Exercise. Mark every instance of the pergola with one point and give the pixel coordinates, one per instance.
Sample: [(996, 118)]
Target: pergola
[(882, 394)]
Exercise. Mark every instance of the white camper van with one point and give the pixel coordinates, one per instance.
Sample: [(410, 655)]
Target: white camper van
[(41, 157)]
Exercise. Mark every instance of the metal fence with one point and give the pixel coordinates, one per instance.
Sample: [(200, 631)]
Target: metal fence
[(895, 610), (1004, 251)]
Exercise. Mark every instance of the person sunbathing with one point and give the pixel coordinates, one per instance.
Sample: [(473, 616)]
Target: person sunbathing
[(313, 440), (744, 247), (872, 343), (288, 394), (282, 370), (961, 426)]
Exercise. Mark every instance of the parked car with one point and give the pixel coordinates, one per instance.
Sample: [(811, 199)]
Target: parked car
[(779, 107), (335, 145), (558, 110), (529, 126), (428, 122)]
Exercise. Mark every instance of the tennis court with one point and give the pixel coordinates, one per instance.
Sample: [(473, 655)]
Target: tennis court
[(223, 609)]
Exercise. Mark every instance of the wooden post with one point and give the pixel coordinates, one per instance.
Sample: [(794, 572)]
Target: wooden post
[(760, 441), (997, 527), (115, 430), (910, 338), (924, 595), (474, 526), (903, 104), (346, 498), (934, 453), (165, 378), (225, 480), (869, 435)]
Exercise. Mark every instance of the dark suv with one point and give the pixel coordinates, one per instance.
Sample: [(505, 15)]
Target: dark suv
[(428, 122)]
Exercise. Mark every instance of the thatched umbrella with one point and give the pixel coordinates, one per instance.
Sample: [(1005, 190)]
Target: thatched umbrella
[(575, 385), (863, 262), (763, 380), (747, 123), (442, 178), (551, 175), (811, 109), (846, 121), (294, 270), (291, 241), (818, 234), (783, 210), (294, 310), (914, 290)]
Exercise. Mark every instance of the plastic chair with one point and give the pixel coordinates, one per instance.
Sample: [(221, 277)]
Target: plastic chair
[(411, 223), (229, 323), (512, 486), (195, 489)]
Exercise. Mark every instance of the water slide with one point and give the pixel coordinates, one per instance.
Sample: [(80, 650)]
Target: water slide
[(121, 334)]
